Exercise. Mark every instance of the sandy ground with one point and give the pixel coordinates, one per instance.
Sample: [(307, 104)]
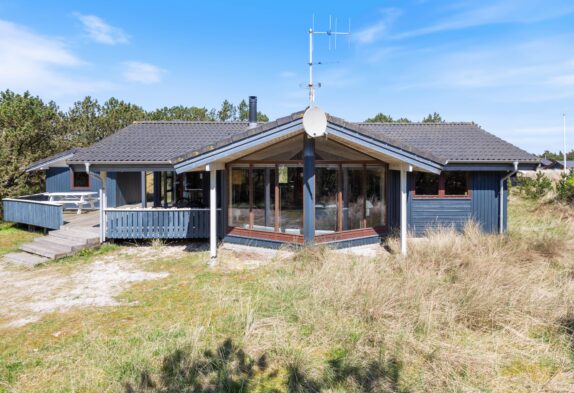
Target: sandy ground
[(27, 295)]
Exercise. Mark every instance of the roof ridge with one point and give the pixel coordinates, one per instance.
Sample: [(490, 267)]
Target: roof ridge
[(419, 123), (190, 122)]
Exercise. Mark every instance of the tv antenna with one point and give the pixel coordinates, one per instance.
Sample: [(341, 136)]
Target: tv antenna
[(330, 33)]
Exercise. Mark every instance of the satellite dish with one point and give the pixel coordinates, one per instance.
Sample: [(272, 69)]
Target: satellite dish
[(315, 122)]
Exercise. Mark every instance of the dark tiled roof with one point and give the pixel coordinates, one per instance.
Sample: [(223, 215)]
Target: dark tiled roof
[(38, 164), (176, 141), (158, 141), (451, 141)]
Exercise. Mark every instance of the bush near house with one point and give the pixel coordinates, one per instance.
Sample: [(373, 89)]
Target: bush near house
[(534, 188), (565, 187)]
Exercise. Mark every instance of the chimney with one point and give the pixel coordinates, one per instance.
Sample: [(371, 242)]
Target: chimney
[(252, 111)]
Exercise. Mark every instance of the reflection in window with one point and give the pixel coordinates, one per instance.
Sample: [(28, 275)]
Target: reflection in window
[(239, 198), (264, 199), (291, 196), (353, 200), (326, 187), (375, 211), (426, 184), (455, 184)]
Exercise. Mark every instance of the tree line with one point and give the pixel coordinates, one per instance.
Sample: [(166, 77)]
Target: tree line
[(31, 129), (383, 118)]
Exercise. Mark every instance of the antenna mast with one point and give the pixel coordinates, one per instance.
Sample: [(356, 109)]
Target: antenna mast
[(329, 33)]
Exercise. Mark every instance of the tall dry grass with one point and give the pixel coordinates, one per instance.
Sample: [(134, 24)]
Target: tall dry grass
[(462, 312)]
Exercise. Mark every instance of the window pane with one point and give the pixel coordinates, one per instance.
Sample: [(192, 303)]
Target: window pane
[(81, 180), (455, 183), (264, 199), (426, 183), (352, 198), (376, 209), (194, 189), (326, 199), (291, 196), (239, 201)]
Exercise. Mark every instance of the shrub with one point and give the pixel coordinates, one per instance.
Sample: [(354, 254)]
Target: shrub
[(565, 187), (535, 188)]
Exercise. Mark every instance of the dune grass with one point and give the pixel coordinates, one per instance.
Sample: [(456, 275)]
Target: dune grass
[(11, 236), (464, 312)]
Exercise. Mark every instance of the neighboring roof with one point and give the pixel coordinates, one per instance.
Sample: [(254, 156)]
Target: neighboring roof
[(158, 141), (172, 142), (40, 164), (546, 163), (452, 142)]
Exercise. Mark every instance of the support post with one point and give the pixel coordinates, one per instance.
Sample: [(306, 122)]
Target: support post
[(309, 190), (157, 189), (212, 215), (143, 193), (403, 211)]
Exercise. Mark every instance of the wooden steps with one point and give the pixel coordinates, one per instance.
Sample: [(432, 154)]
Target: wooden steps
[(24, 259), (58, 244)]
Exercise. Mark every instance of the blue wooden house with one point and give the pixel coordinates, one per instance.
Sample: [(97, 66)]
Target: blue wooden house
[(271, 184)]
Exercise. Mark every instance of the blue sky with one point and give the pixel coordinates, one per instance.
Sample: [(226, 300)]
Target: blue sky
[(506, 65)]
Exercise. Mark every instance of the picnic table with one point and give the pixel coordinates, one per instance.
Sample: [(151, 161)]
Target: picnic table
[(80, 199)]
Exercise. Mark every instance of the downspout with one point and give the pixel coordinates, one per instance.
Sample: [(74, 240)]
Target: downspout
[(501, 197)]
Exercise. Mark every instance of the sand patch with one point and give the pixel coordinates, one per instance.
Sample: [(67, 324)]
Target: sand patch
[(26, 296)]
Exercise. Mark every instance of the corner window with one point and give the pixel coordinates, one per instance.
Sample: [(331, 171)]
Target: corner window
[(455, 184), (426, 184), (80, 180), (447, 184)]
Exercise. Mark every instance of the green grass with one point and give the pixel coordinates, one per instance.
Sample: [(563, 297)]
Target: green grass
[(11, 236), (463, 313)]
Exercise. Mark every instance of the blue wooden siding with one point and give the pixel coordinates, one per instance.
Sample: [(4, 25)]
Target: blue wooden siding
[(40, 214), (485, 200), (60, 180), (160, 224), (482, 207)]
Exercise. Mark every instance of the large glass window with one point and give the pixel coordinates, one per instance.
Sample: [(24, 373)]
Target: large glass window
[(269, 198), (290, 183), (376, 208), (239, 198), (353, 198), (326, 191), (264, 199)]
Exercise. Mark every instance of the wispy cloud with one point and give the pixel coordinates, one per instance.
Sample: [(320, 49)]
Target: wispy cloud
[(135, 71), (371, 33), (44, 65), (493, 12), (101, 32)]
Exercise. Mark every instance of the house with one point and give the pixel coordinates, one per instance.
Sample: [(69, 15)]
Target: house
[(271, 184), (546, 164)]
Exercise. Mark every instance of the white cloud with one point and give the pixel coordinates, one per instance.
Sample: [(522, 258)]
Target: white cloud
[(135, 71), (372, 33), (43, 65), (101, 32)]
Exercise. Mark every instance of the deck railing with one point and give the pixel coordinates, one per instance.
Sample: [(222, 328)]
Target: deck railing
[(33, 210), (158, 223)]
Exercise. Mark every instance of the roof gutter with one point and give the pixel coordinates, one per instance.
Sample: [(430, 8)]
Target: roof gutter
[(501, 197)]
